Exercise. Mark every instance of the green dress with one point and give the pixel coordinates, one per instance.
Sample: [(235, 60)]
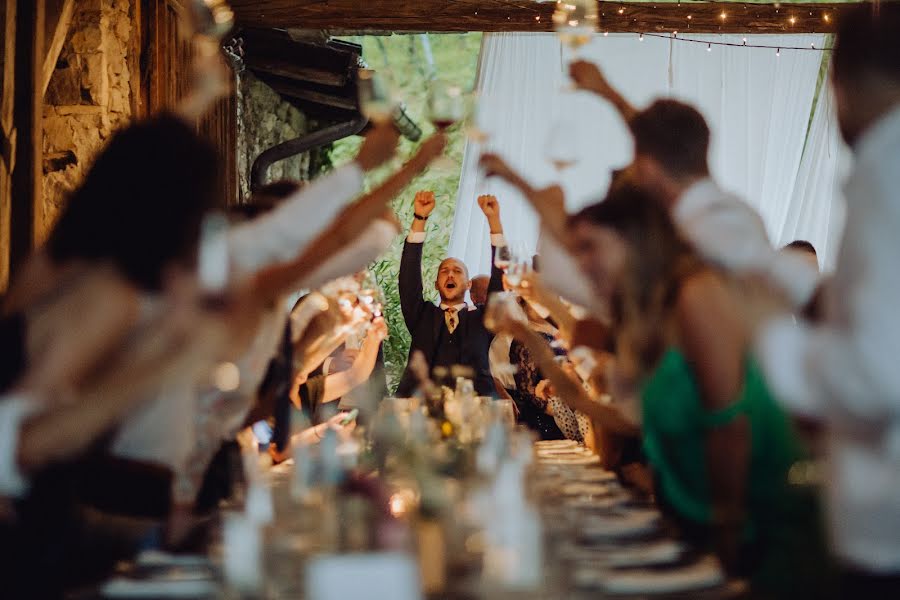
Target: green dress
[(783, 533)]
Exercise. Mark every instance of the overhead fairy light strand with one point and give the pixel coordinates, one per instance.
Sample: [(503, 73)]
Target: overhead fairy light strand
[(742, 44)]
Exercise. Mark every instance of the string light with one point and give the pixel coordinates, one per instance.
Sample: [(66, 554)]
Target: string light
[(641, 38), (827, 18), (793, 20), (743, 44), (778, 52), (690, 17), (723, 15), (621, 11), (605, 33), (709, 47)]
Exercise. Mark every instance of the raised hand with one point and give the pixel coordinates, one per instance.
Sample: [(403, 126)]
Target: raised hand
[(424, 203), (588, 76), (494, 166), (378, 148), (379, 329), (489, 206)]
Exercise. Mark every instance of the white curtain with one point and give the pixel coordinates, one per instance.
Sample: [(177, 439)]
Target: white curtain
[(514, 73), (757, 104), (817, 208)]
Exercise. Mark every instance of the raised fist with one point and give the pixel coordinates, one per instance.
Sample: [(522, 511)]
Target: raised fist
[(489, 206), (424, 203)]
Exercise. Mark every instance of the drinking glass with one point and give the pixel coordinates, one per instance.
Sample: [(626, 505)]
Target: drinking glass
[(502, 258), (377, 101), (563, 144), (446, 105), (575, 22)]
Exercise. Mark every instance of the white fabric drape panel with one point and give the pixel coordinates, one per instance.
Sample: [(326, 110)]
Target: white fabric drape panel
[(757, 105), (817, 208), (518, 75)]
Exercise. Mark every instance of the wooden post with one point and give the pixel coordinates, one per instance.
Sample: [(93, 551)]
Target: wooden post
[(26, 202), (7, 139)]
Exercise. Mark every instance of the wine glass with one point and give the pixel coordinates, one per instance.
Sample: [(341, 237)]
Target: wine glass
[(478, 130), (377, 102), (502, 258), (563, 145), (575, 22), (446, 105)]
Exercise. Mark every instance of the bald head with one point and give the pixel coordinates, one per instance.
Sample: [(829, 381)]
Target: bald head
[(452, 281)]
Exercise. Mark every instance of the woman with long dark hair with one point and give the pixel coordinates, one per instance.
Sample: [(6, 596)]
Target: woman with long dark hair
[(720, 447)]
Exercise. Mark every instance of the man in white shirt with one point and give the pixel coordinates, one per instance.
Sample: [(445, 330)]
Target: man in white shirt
[(671, 159), (845, 371)]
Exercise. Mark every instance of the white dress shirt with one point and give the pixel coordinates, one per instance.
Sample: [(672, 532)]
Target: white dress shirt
[(846, 371), (13, 412), (727, 231), (280, 235)]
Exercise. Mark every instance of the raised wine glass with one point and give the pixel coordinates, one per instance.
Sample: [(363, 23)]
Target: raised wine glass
[(563, 145), (446, 105), (377, 101), (575, 22), (502, 258)]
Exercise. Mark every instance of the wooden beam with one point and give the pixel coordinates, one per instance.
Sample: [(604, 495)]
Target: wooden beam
[(8, 24), (26, 205), (282, 68), (530, 15), (291, 90), (58, 17)]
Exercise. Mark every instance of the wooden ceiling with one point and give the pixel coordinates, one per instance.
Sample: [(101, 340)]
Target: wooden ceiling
[(529, 15)]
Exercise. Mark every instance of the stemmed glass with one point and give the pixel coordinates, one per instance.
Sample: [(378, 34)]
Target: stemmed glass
[(563, 145), (377, 102), (575, 22), (446, 105)]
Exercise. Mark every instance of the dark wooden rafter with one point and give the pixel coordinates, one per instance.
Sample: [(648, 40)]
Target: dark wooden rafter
[(529, 15), (57, 19)]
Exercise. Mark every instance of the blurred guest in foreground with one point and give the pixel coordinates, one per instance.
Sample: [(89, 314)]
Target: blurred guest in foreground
[(719, 445), (844, 372)]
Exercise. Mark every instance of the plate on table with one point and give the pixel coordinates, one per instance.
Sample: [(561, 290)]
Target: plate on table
[(595, 503), (586, 489), (597, 476), (567, 451), (124, 587), (702, 574), (593, 459), (546, 444), (632, 523)]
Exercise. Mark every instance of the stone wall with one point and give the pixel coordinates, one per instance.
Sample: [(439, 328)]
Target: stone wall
[(264, 119), (89, 95)]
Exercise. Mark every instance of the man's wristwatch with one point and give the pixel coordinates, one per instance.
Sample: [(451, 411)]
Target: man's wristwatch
[(419, 217)]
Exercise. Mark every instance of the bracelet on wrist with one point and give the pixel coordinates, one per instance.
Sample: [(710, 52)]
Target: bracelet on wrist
[(418, 217)]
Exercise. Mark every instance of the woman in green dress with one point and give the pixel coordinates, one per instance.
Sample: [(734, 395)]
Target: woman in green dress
[(720, 447)]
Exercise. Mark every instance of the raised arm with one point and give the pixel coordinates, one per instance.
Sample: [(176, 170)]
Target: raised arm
[(348, 226), (588, 76), (340, 384), (568, 390), (549, 203), (411, 287), (491, 209)]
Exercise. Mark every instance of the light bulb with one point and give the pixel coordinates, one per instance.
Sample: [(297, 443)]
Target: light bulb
[(641, 38), (723, 15), (745, 41), (605, 33), (778, 52), (709, 47)]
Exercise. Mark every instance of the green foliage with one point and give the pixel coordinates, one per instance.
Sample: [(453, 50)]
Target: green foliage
[(455, 58)]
